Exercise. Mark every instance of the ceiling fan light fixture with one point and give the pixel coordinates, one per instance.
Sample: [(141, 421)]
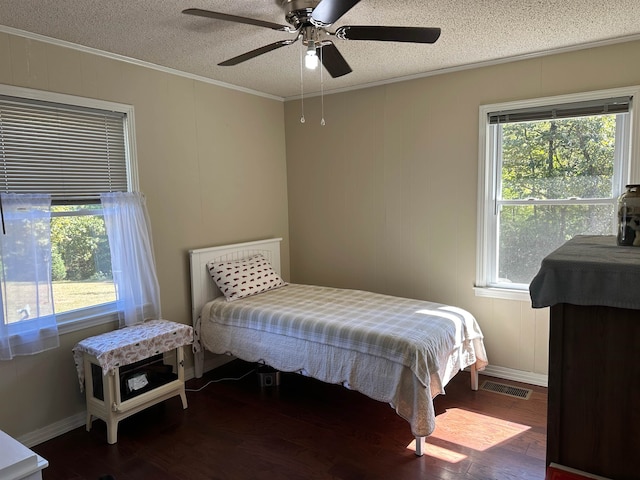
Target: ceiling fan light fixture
[(311, 58)]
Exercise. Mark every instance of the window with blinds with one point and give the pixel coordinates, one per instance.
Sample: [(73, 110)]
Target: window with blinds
[(549, 169), (74, 149), (70, 152)]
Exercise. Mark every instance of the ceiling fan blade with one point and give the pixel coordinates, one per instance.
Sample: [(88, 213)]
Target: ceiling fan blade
[(328, 11), (234, 18), (333, 60), (254, 53), (389, 34)]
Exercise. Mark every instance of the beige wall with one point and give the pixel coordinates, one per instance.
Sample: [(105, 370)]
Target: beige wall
[(211, 165), (384, 197)]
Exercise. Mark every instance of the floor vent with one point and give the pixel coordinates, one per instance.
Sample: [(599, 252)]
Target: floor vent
[(509, 390)]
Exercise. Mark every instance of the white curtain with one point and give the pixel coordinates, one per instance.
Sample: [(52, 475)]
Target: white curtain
[(28, 322), (132, 260)]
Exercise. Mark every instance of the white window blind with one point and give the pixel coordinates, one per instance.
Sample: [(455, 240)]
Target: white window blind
[(564, 110), (73, 153)]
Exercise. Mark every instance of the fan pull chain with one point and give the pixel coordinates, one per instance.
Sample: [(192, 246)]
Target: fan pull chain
[(302, 120), (322, 122)]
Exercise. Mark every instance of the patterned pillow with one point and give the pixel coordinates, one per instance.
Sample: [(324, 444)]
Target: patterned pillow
[(241, 278)]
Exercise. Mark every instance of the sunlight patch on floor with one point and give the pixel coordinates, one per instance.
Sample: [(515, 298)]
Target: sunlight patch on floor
[(462, 428), (480, 432)]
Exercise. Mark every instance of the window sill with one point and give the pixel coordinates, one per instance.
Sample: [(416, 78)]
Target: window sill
[(76, 324), (503, 293)]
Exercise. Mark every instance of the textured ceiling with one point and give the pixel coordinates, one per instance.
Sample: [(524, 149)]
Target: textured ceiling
[(473, 32)]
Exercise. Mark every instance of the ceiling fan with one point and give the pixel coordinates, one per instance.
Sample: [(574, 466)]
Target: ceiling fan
[(308, 20)]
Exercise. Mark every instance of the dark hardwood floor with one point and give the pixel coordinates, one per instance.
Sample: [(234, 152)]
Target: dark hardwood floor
[(305, 429)]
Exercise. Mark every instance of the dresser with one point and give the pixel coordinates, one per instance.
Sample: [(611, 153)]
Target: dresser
[(593, 288)]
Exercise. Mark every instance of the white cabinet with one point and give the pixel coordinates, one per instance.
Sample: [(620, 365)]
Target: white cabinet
[(17, 462)]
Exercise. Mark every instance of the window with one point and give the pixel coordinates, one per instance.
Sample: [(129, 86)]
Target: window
[(550, 169), (73, 149)]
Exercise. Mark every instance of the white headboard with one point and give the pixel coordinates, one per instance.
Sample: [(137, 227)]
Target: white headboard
[(202, 287)]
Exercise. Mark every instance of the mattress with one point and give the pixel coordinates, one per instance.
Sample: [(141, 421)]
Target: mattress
[(392, 349)]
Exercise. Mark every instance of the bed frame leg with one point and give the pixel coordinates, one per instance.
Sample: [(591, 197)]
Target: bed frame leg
[(420, 443), (198, 363), (197, 348), (474, 377)]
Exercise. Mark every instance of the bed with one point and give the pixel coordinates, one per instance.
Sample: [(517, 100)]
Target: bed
[(395, 350)]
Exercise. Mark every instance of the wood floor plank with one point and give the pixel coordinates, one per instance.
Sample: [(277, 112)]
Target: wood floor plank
[(305, 429)]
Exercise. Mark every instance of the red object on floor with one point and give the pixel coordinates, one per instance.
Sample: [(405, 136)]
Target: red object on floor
[(554, 473)]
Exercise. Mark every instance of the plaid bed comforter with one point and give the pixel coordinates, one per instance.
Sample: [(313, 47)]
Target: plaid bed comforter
[(414, 333)]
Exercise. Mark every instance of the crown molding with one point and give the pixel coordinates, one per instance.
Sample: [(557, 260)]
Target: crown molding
[(133, 61), (442, 71), (470, 66)]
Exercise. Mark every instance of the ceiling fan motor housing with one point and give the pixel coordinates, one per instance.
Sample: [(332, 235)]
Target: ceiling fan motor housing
[(298, 12)]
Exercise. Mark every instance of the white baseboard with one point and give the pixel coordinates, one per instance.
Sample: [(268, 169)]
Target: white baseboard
[(55, 429), (516, 375)]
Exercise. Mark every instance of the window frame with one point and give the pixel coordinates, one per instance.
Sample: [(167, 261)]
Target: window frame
[(105, 313), (488, 179)]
